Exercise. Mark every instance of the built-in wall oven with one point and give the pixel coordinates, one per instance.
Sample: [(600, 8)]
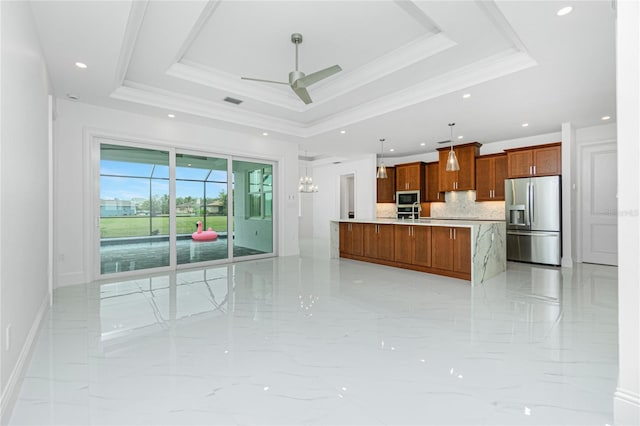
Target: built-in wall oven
[(408, 204)]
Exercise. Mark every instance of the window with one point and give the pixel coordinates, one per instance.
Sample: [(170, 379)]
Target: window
[(260, 193)]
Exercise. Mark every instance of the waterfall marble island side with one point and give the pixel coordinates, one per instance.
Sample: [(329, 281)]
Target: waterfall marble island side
[(473, 250)]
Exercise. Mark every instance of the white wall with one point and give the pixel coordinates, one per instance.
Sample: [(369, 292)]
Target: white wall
[(326, 202), (77, 122), (24, 185), (627, 397)]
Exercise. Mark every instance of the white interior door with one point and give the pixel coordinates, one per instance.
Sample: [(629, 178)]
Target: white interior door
[(599, 204)]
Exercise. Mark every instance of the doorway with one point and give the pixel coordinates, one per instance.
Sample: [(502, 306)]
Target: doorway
[(347, 196)]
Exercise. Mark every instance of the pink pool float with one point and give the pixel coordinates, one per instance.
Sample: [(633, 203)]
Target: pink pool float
[(200, 235)]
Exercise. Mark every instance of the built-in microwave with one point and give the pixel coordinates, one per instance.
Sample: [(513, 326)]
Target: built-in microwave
[(407, 198)]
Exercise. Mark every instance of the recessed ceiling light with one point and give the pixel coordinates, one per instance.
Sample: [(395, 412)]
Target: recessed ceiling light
[(171, 115), (564, 11), (391, 150), (460, 137), (265, 134), (606, 117), (343, 132), (72, 96), (466, 95), (525, 124), (422, 144), (81, 65)]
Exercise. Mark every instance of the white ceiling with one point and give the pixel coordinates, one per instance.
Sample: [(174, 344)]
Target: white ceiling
[(406, 65)]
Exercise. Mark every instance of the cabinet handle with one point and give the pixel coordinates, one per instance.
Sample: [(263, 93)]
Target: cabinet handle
[(454, 233), (450, 233), (534, 170), (438, 196)]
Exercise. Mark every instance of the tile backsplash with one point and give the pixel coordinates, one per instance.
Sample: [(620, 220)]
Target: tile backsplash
[(459, 204)]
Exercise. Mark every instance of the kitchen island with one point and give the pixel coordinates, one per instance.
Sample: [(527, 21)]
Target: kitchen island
[(472, 250)]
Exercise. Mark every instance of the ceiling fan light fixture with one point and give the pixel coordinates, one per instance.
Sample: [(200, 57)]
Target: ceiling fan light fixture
[(452, 160)]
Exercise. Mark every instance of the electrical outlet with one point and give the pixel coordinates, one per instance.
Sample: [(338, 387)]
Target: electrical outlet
[(492, 236), (7, 338)]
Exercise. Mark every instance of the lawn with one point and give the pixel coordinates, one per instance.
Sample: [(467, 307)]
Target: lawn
[(139, 226)]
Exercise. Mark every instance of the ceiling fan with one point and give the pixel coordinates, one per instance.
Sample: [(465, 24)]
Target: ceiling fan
[(298, 81)]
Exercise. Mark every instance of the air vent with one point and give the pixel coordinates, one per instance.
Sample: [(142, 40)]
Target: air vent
[(447, 141), (233, 100)]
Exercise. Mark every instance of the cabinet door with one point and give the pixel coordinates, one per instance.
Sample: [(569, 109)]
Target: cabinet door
[(447, 179), (547, 161), (386, 188), (401, 178), (421, 245), (403, 243), (345, 238), (370, 240), (441, 248), (500, 174), (462, 250), (357, 239), (519, 163), (466, 179), (414, 175), (484, 179), (386, 246), (432, 183)]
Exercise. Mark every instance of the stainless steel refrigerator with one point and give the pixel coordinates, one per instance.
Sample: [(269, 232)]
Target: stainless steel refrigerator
[(533, 216)]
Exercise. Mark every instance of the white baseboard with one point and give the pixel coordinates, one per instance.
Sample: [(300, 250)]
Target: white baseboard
[(10, 393), (626, 407)]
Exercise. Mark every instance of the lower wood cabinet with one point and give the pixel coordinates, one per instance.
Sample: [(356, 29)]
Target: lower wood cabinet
[(413, 245), (351, 239), (379, 241), (451, 249)]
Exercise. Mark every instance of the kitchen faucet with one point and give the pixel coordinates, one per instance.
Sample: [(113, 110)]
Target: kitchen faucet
[(413, 213)]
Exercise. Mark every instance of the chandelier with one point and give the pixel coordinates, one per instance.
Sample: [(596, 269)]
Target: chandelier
[(306, 181)]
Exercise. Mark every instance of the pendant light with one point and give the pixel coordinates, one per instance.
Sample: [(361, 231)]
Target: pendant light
[(452, 161), (382, 170), (306, 181)]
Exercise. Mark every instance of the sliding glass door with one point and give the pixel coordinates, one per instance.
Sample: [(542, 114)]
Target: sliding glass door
[(201, 208), (147, 193), (134, 208)]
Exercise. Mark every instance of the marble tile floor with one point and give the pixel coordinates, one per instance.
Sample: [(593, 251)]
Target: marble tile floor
[(308, 340)]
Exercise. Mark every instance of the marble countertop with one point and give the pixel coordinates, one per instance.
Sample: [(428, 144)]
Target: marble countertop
[(463, 222)]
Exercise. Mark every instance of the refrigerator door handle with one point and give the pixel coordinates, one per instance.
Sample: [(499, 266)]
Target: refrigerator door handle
[(527, 216), (534, 233), (532, 209)]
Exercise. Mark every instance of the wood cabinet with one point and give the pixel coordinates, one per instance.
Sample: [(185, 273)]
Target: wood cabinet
[(410, 177), (351, 239), (386, 188), (451, 249), (491, 171), (432, 183), (413, 245), (379, 241), (465, 178), (541, 160)]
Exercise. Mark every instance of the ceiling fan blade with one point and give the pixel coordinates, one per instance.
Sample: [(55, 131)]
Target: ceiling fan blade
[(316, 76), (303, 94), (264, 81)]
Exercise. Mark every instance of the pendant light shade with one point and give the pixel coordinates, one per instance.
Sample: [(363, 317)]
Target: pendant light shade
[(382, 170), (452, 161)]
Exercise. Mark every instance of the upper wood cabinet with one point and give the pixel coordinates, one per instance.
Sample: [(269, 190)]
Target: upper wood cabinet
[(386, 188), (491, 171), (465, 178), (410, 177), (432, 183), (541, 160)]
